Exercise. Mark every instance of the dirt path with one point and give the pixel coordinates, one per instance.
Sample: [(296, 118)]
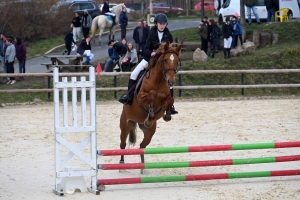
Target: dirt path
[(27, 150)]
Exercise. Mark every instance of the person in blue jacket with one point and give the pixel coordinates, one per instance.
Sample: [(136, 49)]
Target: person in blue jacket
[(113, 57), (123, 22), (237, 32)]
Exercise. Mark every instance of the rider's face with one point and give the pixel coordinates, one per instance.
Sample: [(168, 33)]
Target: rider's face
[(161, 26)]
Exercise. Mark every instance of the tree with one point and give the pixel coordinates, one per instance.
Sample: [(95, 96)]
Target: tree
[(242, 11)]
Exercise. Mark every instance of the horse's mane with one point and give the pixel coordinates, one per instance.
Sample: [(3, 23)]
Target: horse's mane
[(115, 8)]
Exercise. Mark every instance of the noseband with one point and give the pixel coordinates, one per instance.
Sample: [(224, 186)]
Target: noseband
[(164, 71)]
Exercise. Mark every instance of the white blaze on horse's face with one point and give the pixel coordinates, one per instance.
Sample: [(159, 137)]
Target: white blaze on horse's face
[(172, 58)]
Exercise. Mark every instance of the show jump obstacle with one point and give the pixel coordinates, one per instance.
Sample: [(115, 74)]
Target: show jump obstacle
[(72, 176)]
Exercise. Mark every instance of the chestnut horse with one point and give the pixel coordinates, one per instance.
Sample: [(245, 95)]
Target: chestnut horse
[(154, 100)]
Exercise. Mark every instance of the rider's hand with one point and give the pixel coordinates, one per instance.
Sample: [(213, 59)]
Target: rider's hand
[(153, 53)]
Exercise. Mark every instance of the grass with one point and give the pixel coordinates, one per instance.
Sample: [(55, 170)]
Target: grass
[(284, 55)]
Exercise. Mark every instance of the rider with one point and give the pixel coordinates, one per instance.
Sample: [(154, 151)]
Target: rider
[(158, 34), (106, 11)]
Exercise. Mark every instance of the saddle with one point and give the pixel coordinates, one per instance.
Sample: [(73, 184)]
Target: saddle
[(139, 82)]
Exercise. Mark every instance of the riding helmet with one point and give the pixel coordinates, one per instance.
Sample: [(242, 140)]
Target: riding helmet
[(160, 18)]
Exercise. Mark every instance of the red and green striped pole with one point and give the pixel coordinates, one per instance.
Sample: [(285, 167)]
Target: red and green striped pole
[(204, 163), (198, 177), (186, 149)]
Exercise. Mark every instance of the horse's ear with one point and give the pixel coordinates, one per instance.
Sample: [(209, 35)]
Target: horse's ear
[(166, 47), (178, 48)]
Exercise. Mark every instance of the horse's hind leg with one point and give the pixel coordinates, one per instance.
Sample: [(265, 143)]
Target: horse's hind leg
[(148, 134), (126, 128)]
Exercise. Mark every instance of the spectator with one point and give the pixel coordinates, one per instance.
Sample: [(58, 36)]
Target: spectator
[(10, 55), (85, 49), (250, 4), (113, 57), (68, 42), (237, 32), (106, 11), (140, 35), (214, 35), (130, 59), (270, 6), (21, 55), (2, 51), (123, 22), (158, 34), (86, 23), (77, 24), (203, 32), (146, 25), (227, 34)]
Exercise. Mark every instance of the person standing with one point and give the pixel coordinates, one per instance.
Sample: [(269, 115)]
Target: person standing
[(214, 36), (270, 6), (140, 35), (237, 32), (146, 25), (106, 11), (2, 51), (21, 55), (123, 22), (77, 24), (68, 42), (86, 23), (130, 59), (85, 49), (158, 34), (227, 34), (203, 32), (250, 4), (10, 55)]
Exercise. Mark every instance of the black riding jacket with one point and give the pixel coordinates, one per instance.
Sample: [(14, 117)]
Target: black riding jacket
[(153, 43)]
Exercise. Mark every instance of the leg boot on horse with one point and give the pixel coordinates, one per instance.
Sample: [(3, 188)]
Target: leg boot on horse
[(127, 98)]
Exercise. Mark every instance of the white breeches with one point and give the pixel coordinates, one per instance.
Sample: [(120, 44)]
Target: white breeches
[(87, 53), (227, 42), (142, 65), (111, 14), (77, 33)]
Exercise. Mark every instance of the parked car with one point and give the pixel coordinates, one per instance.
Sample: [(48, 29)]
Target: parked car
[(207, 6), (111, 5), (77, 6), (163, 7)]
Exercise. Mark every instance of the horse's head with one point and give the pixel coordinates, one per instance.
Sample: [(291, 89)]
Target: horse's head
[(168, 60), (118, 9)]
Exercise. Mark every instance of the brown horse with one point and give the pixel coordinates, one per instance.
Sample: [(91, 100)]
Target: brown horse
[(153, 100)]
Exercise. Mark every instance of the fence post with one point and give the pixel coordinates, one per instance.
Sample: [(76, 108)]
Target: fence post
[(243, 81), (179, 83), (115, 85)]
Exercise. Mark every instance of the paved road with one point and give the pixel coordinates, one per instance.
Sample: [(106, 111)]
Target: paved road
[(33, 65)]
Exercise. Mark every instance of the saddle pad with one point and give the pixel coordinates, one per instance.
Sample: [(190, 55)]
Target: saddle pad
[(108, 17)]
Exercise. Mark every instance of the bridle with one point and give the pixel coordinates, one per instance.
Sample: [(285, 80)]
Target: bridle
[(164, 71)]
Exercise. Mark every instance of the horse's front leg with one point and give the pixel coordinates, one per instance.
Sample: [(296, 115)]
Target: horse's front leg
[(167, 117), (151, 115)]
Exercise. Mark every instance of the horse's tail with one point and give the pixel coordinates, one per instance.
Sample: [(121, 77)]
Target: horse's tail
[(132, 136), (94, 26)]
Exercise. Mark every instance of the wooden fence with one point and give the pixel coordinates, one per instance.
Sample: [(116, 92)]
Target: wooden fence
[(179, 87)]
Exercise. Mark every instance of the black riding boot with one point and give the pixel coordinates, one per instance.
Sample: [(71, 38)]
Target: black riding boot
[(225, 52), (127, 98), (228, 52), (114, 20), (173, 111)]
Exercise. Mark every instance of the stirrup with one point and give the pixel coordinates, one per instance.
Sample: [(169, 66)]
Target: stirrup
[(173, 111)]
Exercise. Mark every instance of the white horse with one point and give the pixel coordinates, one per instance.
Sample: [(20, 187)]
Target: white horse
[(102, 22)]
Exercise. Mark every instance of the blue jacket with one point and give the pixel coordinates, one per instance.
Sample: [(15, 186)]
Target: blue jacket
[(123, 19), (238, 30), (113, 54)]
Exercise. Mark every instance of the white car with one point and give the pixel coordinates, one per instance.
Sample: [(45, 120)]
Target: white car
[(111, 5)]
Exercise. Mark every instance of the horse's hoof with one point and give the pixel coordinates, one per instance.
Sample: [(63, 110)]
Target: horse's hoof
[(101, 187), (142, 171), (167, 118)]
